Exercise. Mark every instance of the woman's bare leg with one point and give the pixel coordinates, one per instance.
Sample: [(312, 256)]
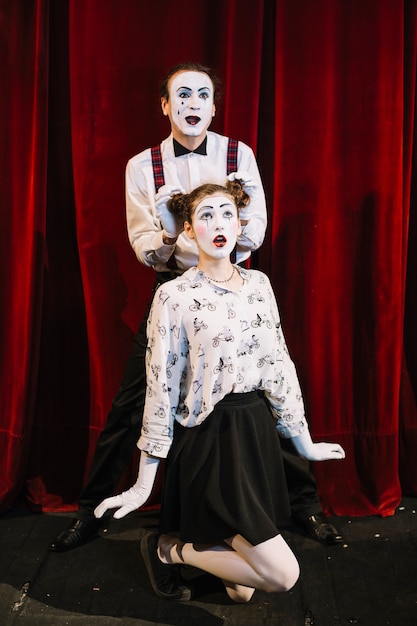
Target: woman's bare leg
[(238, 593), (272, 560), (270, 566)]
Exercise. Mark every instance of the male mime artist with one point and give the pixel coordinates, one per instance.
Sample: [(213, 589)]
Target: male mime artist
[(190, 156)]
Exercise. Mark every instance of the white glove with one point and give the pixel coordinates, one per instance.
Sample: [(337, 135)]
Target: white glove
[(137, 495), (316, 451), (169, 222), (251, 186)]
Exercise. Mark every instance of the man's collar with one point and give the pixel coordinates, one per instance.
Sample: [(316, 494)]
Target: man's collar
[(179, 150)]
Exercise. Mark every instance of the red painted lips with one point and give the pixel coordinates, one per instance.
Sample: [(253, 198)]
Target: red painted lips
[(220, 241)]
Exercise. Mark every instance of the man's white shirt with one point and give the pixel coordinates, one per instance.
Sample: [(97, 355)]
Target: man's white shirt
[(186, 172)]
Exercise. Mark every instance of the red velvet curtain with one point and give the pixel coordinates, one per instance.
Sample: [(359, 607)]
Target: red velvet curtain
[(324, 92), (338, 233), (24, 154)]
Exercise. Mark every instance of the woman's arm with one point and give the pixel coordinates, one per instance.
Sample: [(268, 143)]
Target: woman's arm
[(290, 413)]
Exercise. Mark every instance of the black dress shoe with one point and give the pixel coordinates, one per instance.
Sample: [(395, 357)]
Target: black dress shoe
[(318, 527), (165, 579), (78, 533)]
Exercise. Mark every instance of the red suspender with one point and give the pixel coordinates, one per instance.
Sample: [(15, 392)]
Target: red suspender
[(231, 165), (158, 170)]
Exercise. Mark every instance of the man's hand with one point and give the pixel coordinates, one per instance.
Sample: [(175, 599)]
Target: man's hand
[(252, 189), (171, 225)]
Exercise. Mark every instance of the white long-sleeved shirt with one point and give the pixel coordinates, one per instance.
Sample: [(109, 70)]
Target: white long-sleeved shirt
[(187, 172), (204, 342)]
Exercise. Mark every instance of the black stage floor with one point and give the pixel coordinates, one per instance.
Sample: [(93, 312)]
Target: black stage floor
[(371, 581)]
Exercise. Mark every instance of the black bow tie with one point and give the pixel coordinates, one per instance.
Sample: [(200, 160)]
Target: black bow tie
[(179, 150)]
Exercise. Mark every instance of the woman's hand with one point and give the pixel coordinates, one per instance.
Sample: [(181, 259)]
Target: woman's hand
[(317, 451), (136, 496)]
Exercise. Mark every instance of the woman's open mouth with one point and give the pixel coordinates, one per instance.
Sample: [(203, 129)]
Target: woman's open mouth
[(220, 241)]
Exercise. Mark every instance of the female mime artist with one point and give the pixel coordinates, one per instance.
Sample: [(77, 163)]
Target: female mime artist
[(221, 386)]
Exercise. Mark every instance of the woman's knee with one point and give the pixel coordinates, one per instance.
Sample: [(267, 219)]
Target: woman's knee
[(278, 565), (284, 576)]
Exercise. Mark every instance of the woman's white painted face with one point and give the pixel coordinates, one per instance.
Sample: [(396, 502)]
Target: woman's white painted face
[(190, 107), (215, 226)]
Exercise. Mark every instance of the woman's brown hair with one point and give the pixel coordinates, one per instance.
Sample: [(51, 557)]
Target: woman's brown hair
[(183, 204)]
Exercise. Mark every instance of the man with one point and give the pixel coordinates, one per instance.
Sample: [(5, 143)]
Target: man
[(190, 156)]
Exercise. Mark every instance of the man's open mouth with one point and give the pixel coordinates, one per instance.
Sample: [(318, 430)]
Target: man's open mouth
[(220, 241), (192, 119)]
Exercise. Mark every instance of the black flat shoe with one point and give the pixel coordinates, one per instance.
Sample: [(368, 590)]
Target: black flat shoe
[(77, 534), (318, 527), (164, 578)]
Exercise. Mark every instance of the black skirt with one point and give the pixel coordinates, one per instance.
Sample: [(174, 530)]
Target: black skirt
[(226, 477)]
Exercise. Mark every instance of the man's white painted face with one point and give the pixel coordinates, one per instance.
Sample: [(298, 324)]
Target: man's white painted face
[(216, 226), (190, 107)]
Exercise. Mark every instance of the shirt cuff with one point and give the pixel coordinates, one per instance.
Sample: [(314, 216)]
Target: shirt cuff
[(160, 252), (250, 237), (154, 448), (289, 426)]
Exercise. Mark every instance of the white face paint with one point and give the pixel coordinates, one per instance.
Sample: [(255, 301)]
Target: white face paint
[(190, 107), (215, 226)]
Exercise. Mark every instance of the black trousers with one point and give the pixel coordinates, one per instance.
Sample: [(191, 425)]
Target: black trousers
[(117, 441)]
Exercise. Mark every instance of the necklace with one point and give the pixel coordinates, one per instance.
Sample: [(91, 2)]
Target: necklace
[(214, 280)]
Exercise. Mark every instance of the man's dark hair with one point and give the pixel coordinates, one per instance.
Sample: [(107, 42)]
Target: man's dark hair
[(190, 67)]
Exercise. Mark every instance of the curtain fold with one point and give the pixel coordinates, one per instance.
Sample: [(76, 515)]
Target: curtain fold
[(59, 441), (24, 111), (324, 92), (408, 405)]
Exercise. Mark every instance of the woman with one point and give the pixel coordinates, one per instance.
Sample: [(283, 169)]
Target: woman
[(221, 385)]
